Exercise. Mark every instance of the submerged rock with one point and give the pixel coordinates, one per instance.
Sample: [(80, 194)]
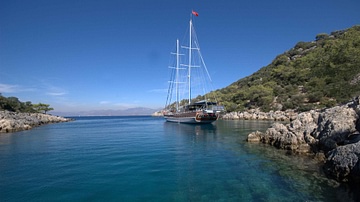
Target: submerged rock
[(14, 121)]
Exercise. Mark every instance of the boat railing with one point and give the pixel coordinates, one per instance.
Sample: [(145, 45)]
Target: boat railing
[(218, 108)]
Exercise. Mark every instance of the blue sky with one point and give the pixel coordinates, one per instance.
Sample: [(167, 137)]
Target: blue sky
[(80, 55)]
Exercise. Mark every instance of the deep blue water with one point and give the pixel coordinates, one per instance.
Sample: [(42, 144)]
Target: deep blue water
[(147, 159)]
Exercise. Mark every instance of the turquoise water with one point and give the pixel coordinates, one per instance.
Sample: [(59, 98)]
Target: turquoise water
[(147, 159)]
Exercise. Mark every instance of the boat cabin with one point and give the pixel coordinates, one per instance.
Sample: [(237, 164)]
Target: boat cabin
[(201, 105)]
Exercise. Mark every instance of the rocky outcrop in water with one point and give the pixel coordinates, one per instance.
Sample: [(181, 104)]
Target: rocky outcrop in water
[(13, 121), (332, 133), (256, 114)]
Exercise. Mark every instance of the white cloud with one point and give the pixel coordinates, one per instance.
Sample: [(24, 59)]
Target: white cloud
[(57, 93), (104, 102), (8, 88)]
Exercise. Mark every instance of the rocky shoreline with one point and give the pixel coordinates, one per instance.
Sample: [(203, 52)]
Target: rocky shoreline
[(332, 135), (256, 114), (14, 121)]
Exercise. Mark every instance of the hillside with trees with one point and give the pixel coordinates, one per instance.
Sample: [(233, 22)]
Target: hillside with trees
[(13, 104), (316, 74)]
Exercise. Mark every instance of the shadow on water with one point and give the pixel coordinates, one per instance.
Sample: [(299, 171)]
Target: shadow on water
[(189, 134)]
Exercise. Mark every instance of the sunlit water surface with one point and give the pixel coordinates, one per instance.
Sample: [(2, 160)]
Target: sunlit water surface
[(147, 159)]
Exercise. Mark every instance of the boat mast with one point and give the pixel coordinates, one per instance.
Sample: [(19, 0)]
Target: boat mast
[(189, 73), (177, 75)]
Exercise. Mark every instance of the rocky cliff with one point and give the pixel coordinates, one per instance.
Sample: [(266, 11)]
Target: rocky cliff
[(332, 133), (13, 121)]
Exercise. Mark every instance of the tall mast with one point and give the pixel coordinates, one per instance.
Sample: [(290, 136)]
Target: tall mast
[(189, 74), (177, 75)]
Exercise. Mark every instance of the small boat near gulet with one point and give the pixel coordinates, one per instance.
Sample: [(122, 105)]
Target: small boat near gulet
[(188, 74)]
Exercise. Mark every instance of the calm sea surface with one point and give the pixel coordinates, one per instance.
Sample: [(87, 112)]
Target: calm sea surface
[(147, 159)]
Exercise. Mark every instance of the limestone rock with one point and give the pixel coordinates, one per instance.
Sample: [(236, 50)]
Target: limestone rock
[(343, 162), (335, 126), (256, 114), (13, 121), (254, 136), (332, 135)]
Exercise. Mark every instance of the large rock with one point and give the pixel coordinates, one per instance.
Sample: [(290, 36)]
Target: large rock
[(295, 136), (333, 133), (343, 162), (335, 126), (13, 121)]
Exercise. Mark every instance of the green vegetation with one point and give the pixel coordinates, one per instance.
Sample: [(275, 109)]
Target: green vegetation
[(42, 108), (316, 74), (15, 105)]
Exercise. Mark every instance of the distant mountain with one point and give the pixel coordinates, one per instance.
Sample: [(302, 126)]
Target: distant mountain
[(138, 111), (315, 74)]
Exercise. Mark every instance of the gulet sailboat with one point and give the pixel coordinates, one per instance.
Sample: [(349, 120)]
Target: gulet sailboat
[(189, 73)]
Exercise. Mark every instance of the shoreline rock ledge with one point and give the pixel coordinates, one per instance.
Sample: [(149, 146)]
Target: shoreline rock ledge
[(256, 114), (15, 121), (332, 135)]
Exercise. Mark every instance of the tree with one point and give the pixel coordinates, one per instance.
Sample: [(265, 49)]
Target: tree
[(322, 36), (10, 104), (42, 108)]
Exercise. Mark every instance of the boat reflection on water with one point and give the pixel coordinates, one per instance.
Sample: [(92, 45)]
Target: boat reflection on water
[(204, 130)]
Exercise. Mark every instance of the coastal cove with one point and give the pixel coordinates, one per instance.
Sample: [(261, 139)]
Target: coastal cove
[(146, 159), (113, 101)]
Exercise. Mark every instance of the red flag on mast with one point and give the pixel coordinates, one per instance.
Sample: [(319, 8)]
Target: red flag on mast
[(195, 13)]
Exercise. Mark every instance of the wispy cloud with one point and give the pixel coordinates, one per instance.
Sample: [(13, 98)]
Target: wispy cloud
[(57, 93), (9, 88), (54, 90), (104, 102)]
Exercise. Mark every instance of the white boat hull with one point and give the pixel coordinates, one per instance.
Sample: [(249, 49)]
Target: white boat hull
[(187, 120), (181, 119)]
